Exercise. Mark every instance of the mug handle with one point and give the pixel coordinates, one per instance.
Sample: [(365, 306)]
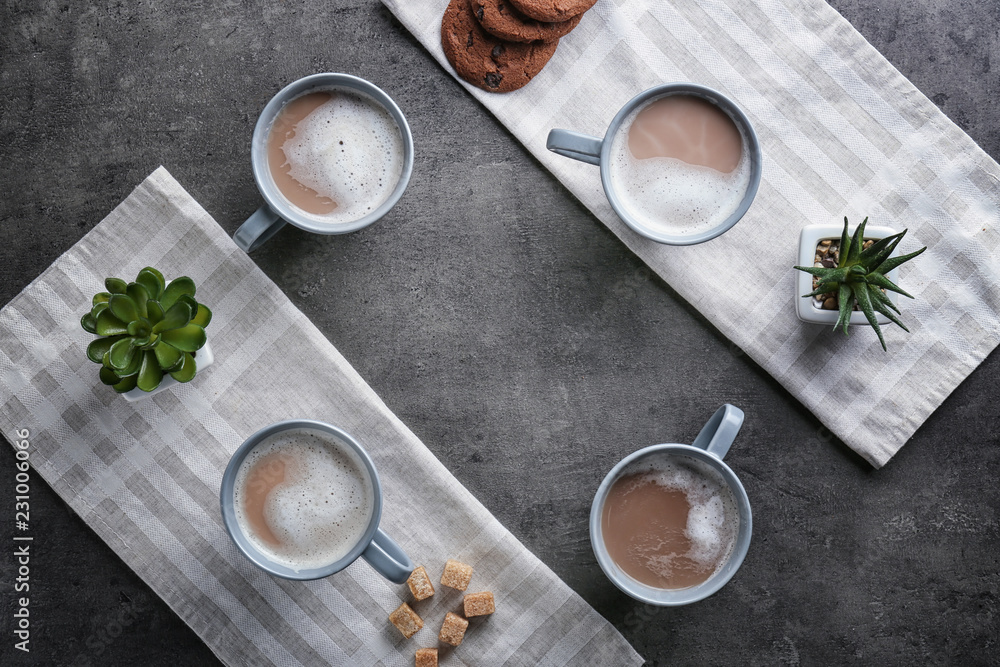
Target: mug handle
[(388, 558), (258, 229), (582, 147), (718, 434)]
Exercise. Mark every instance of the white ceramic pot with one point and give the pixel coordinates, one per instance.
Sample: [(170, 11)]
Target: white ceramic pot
[(203, 359), (806, 307)]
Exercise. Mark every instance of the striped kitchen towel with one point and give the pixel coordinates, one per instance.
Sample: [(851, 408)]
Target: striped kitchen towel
[(146, 475), (843, 133)]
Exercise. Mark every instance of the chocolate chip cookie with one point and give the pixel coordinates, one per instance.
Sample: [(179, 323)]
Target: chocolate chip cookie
[(552, 10), (501, 19), (484, 60)]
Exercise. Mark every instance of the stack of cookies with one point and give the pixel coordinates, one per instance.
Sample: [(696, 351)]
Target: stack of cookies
[(500, 45)]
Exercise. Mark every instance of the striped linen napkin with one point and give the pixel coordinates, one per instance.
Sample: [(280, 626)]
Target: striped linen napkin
[(843, 133), (146, 475)]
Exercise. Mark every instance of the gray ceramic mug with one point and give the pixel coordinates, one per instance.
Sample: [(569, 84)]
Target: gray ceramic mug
[(709, 448), (594, 150), (377, 548), (276, 211)]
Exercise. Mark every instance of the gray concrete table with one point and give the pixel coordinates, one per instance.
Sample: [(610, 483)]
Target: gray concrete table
[(503, 323)]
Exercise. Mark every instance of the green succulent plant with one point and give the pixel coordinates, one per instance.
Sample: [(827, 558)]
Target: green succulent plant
[(860, 276), (145, 330)]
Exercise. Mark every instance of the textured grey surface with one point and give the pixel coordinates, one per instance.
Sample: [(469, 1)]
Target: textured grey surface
[(507, 327)]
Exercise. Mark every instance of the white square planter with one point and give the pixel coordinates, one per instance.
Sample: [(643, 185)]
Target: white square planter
[(805, 307), (203, 359)]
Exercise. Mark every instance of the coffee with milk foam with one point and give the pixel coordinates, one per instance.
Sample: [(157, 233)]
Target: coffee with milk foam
[(303, 499), (670, 522), (335, 155), (680, 166)]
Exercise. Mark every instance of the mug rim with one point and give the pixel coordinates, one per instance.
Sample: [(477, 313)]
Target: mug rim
[(243, 542), (731, 109), (258, 150), (664, 597)]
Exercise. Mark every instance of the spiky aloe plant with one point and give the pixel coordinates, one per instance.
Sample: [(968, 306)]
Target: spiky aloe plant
[(146, 329), (860, 275)]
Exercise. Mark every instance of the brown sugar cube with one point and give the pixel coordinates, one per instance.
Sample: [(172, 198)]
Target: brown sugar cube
[(426, 657), (420, 584), (406, 620), (479, 604), (453, 629), (456, 575)]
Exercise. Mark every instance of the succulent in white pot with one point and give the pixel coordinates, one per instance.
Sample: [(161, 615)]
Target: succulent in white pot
[(853, 276), (148, 332)]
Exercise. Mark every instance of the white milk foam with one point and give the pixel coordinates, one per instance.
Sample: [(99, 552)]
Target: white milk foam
[(713, 521), (350, 150), (673, 197), (324, 505)]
